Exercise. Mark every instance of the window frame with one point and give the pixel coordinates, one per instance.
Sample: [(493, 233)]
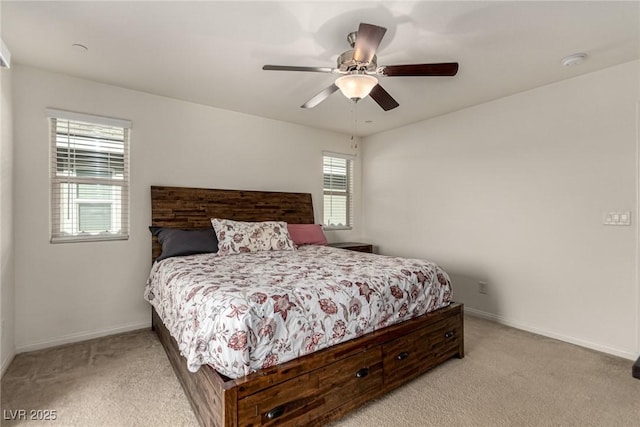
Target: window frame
[(117, 185), (350, 172)]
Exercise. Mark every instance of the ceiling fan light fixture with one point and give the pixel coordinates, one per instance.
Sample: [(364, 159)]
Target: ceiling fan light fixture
[(356, 86)]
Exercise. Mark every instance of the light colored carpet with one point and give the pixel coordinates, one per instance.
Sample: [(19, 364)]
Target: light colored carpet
[(508, 378)]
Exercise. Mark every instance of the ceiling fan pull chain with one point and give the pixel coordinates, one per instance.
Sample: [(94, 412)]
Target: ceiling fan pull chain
[(355, 118), (353, 114)]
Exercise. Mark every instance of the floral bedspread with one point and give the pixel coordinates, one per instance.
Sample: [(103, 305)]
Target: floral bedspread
[(241, 313)]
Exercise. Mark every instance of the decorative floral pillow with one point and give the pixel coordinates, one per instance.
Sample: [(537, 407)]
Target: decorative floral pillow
[(236, 237)]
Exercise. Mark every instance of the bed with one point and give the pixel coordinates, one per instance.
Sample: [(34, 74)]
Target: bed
[(326, 380)]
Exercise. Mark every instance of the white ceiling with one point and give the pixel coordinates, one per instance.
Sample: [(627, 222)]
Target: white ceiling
[(212, 52)]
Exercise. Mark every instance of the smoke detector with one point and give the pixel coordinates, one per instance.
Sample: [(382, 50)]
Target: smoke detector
[(575, 59)]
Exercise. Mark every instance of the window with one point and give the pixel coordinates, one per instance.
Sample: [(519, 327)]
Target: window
[(338, 190), (89, 177)]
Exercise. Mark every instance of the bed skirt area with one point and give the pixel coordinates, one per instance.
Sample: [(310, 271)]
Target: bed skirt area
[(324, 385)]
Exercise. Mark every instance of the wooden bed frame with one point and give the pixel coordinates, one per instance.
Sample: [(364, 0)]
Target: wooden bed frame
[(315, 388)]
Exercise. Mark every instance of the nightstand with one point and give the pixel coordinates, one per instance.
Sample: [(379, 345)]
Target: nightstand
[(354, 246)]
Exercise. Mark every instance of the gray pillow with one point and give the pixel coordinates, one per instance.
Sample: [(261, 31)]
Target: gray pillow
[(178, 242)]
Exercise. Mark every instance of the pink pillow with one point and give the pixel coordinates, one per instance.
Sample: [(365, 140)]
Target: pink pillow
[(307, 234)]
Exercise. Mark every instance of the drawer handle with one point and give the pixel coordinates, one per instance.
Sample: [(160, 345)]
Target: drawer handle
[(449, 334), (402, 355), (362, 373), (275, 412)]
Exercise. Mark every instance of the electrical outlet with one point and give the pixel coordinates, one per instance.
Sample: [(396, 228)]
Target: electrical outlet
[(482, 287)]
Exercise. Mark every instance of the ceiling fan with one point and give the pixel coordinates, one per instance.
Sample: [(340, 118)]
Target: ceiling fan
[(359, 68)]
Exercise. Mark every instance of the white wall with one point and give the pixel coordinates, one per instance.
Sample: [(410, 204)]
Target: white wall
[(512, 192), (74, 291), (7, 343)]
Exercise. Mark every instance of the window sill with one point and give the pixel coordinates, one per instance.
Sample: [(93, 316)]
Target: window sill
[(93, 238), (336, 228)]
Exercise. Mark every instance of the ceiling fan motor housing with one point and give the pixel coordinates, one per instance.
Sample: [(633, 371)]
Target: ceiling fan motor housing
[(346, 63)]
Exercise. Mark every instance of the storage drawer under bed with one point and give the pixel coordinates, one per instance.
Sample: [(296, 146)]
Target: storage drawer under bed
[(410, 356), (302, 399)]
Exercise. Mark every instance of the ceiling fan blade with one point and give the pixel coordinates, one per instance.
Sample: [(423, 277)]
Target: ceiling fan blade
[(320, 97), (294, 68), (383, 98), (367, 41), (442, 69)]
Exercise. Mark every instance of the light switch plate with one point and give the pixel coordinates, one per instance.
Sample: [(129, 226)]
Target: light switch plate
[(617, 218)]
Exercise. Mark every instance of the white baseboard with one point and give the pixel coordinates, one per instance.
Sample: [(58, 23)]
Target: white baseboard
[(550, 334), (6, 362), (82, 336)]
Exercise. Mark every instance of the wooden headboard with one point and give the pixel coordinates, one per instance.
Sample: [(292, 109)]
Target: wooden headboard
[(187, 208)]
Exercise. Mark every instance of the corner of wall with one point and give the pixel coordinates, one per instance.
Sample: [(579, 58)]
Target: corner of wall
[(7, 282), (637, 218), (6, 362)]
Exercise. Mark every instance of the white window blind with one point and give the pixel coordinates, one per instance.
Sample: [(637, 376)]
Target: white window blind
[(89, 177), (338, 190)]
